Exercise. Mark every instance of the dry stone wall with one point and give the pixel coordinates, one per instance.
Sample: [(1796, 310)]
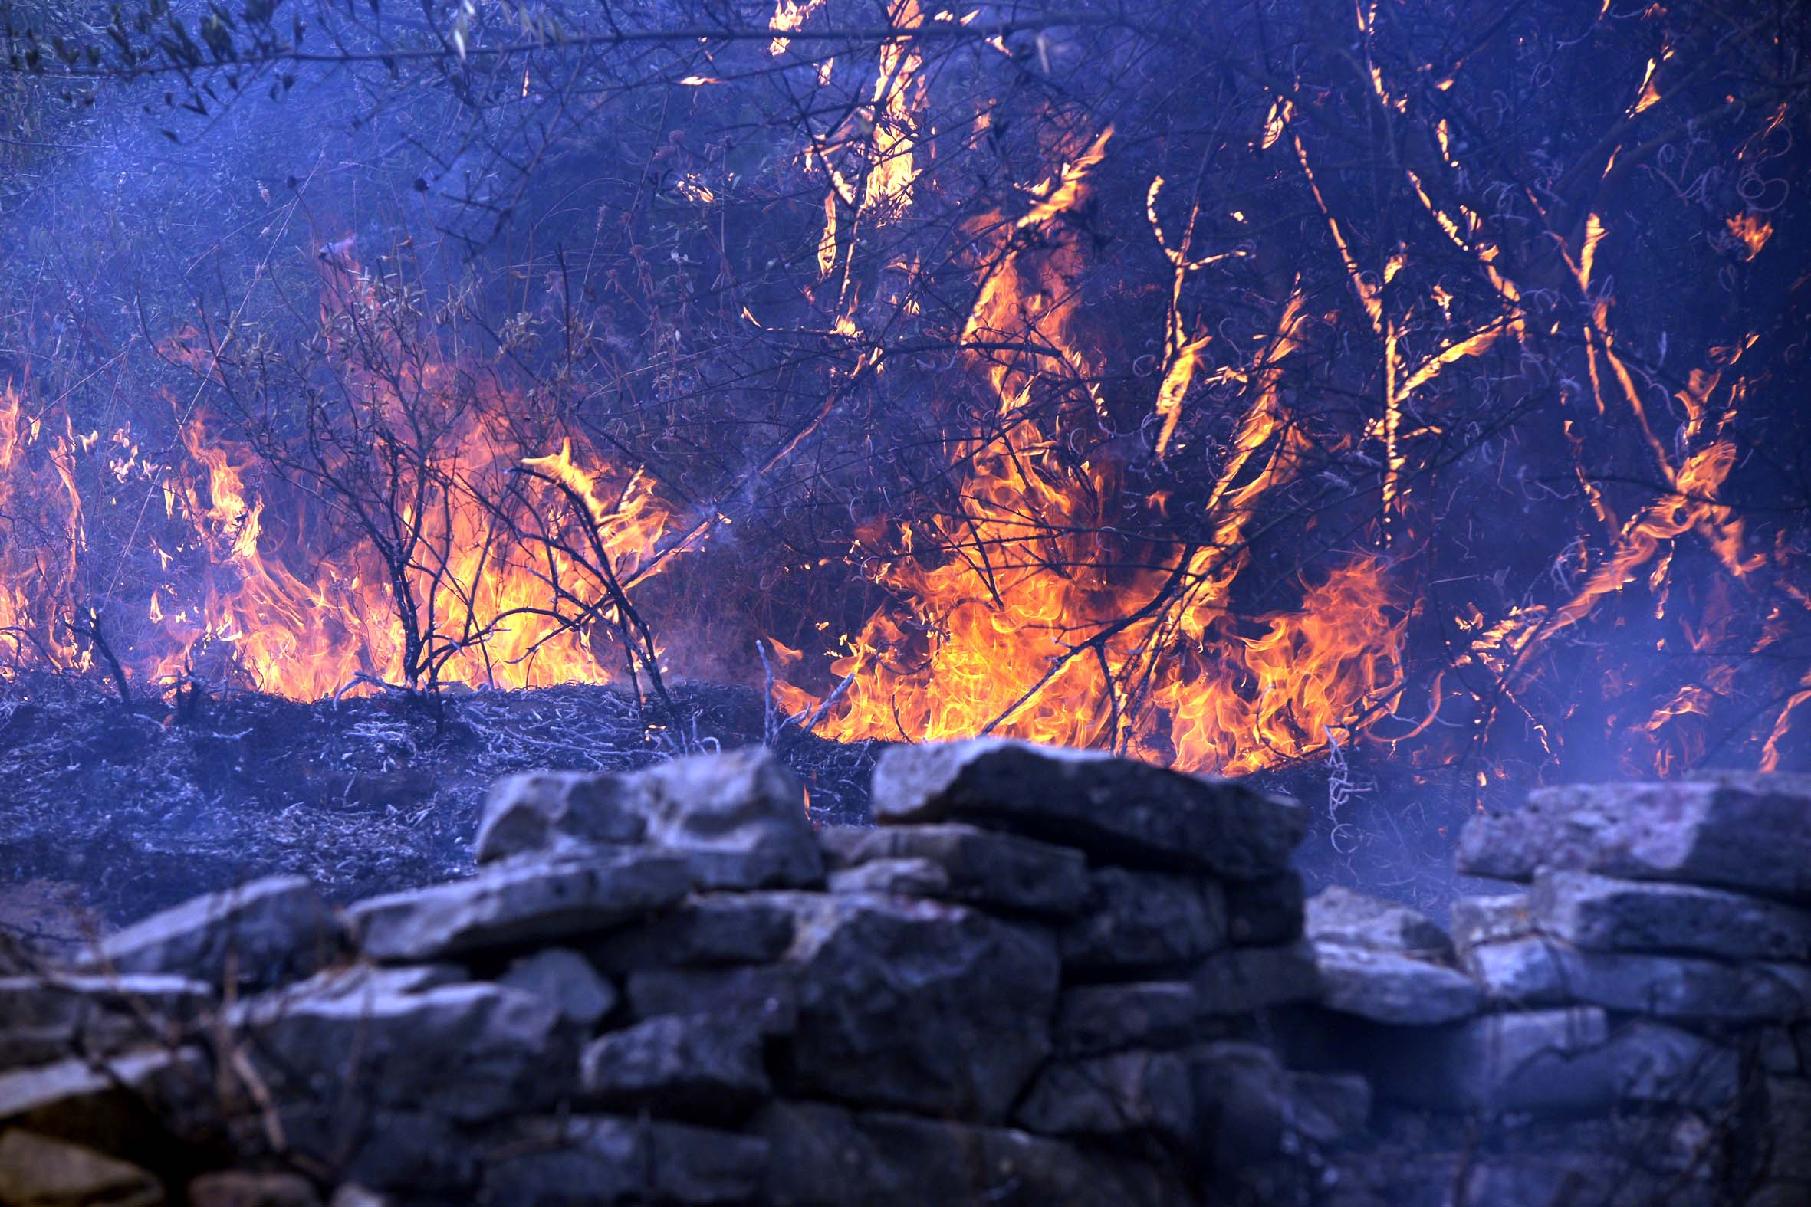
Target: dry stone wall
[(1044, 977)]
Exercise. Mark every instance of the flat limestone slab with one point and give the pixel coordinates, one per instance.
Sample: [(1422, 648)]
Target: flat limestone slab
[(1117, 810), (1748, 832), (519, 903)]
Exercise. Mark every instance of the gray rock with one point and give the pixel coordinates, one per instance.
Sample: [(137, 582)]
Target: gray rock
[(1092, 1019), (516, 903), (45, 1018), (767, 995), (1388, 987), (1143, 920), (1119, 810), (1265, 912), (1545, 972), (262, 933), (740, 816), (1488, 919), (678, 1064), (1339, 915), (1560, 1061), (565, 979), (710, 928), (1604, 914), (894, 877), (599, 1160), (1244, 979), (918, 1004), (824, 1156), (37, 1171), (556, 812), (1115, 1095), (1734, 831), (464, 1051), (980, 867)]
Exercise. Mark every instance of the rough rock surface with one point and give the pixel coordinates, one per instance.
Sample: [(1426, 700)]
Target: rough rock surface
[(1144, 920), (1741, 832), (979, 866), (1114, 809), (513, 1048), (1604, 914), (1388, 987), (519, 901), (1573, 1060), (260, 933), (740, 817), (1545, 972), (678, 1064), (919, 1005)]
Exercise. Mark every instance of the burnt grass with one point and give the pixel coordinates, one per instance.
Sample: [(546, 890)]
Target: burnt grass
[(110, 812)]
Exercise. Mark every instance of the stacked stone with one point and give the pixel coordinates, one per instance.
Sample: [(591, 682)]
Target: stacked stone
[(1632, 1027), (1036, 982), (1177, 929)]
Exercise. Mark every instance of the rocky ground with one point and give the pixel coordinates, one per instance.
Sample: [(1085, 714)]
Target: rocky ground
[(108, 813)]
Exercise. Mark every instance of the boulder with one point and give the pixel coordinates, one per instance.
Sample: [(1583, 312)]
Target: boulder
[(1265, 912), (257, 934), (556, 812), (1117, 810), (420, 1156), (45, 1018), (1143, 920), (1389, 987), (465, 1051), (37, 1171), (1601, 913), (1745, 832), (600, 1160), (1567, 1061), (1241, 980), (1114, 1095), (1339, 915), (709, 928), (1547, 972), (918, 1004), (823, 1156), (980, 867), (740, 816), (567, 981), (519, 903), (678, 1065)]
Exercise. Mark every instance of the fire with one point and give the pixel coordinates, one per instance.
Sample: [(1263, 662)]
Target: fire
[(1028, 615), (40, 536)]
